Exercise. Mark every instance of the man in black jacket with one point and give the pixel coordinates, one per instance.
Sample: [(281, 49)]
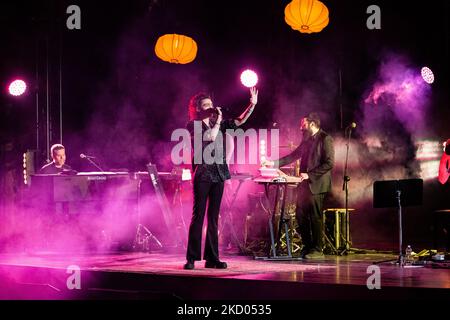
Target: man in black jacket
[(316, 154)]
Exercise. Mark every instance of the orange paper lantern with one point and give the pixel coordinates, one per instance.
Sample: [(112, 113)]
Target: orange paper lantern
[(306, 16), (175, 48)]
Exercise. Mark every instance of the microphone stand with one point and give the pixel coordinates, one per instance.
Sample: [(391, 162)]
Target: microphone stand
[(94, 164), (346, 179)]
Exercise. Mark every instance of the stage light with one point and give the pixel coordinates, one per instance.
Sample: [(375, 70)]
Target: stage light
[(262, 151), (427, 154), (427, 75), (249, 78), (29, 160), (17, 87), (428, 150)]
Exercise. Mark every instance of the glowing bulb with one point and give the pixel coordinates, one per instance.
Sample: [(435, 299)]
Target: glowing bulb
[(17, 87), (249, 78), (427, 75)]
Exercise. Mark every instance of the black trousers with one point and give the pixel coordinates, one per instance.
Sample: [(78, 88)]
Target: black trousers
[(205, 193), (309, 217)]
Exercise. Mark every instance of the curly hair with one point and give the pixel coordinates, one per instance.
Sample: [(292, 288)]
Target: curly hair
[(195, 103)]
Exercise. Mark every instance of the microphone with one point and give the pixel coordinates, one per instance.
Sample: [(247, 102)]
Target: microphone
[(213, 111), (207, 113), (351, 126), (223, 109), (83, 156)]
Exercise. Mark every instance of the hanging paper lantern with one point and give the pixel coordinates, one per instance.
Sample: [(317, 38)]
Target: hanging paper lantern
[(175, 48), (306, 16)]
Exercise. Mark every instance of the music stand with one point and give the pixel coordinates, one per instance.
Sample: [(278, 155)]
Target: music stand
[(398, 193)]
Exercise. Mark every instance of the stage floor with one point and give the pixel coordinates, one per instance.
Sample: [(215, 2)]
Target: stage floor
[(160, 275)]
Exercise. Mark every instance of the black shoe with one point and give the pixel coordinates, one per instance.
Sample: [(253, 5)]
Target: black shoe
[(216, 264), (315, 254), (189, 265)]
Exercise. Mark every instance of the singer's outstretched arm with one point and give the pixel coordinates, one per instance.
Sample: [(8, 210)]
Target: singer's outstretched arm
[(246, 114)]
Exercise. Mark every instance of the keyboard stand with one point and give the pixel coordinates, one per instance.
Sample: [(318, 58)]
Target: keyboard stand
[(280, 199)]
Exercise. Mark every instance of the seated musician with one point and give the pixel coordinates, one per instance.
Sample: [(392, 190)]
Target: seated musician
[(316, 154), (58, 165)]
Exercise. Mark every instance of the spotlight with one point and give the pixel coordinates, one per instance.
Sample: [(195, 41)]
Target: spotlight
[(29, 160), (249, 78), (427, 75), (17, 87)]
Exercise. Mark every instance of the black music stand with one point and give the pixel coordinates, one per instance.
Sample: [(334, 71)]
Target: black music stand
[(398, 194)]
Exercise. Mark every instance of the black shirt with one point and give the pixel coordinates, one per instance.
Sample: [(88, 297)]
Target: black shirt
[(51, 168), (302, 152), (214, 172)]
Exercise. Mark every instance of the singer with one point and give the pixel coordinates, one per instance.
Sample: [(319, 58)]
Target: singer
[(316, 154), (209, 177), (58, 165)]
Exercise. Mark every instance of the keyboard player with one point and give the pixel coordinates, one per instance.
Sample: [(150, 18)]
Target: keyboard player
[(58, 165), (316, 154)]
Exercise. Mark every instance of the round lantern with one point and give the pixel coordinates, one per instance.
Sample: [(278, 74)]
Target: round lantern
[(176, 48), (306, 16)]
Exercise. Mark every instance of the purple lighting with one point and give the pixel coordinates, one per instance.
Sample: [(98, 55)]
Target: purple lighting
[(398, 94), (17, 87), (249, 78), (427, 75)]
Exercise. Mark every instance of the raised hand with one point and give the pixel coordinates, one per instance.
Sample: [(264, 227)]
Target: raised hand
[(253, 95)]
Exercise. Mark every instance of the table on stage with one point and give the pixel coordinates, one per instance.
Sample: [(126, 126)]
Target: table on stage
[(281, 184)]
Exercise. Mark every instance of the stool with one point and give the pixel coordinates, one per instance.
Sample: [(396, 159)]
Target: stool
[(335, 230)]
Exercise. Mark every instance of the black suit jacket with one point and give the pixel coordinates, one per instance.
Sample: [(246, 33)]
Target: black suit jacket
[(319, 162)]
